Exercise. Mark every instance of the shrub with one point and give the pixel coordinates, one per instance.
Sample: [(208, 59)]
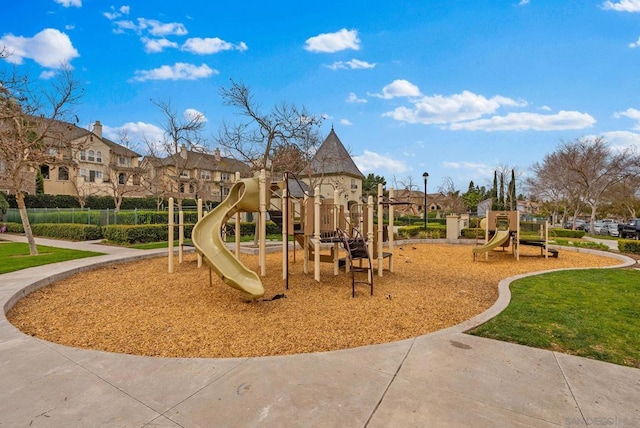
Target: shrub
[(472, 233), (582, 244), (629, 246), (566, 233), (15, 228), (133, 234), (73, 232)]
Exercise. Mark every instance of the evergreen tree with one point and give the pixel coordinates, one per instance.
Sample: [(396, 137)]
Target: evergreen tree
[(513, 201), (39, 183), (501, 204), (494, 192)]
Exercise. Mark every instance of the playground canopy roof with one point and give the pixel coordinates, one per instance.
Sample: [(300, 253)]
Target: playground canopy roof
[(333, 159)]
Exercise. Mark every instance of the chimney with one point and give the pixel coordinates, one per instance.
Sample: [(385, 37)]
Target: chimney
[(183, 151), (97, 129), (216, 154)]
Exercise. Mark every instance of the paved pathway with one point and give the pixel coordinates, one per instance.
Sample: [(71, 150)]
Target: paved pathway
[(444, 379)]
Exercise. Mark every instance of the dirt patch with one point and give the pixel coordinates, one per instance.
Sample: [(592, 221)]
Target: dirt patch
[(138, 308)]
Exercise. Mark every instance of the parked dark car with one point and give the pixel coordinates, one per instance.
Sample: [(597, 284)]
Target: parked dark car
[(630, 229)]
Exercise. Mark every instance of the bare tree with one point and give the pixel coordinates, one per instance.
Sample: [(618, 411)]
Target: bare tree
[(583, 171), (32, 131), (182, 134), (452, 199), (261, 136), (625, 197), (408, 183), (123, 178)]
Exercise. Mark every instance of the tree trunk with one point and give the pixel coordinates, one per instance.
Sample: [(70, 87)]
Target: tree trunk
[(33, 249)]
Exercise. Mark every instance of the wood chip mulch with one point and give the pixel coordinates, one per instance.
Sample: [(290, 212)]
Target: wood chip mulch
[(139, 308)]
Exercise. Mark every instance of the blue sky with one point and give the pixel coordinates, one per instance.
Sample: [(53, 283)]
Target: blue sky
[(454, 88)]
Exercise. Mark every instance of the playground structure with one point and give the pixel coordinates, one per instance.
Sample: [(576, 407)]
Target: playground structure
[(502, 229), (316, 225)]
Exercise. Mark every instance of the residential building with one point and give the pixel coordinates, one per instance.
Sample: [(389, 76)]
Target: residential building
[(98, 167), (192, 174)]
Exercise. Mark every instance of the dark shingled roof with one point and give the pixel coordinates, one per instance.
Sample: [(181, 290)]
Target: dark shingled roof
[(333, 159), (206, 161)]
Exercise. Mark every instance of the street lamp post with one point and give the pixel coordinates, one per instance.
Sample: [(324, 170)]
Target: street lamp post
[(425, 176)]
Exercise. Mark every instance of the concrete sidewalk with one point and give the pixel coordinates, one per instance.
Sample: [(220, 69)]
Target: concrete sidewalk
[(445, 379)]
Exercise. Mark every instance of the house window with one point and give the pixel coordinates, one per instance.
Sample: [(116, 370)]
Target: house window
[(52, 151), (354, 186), (99, 156), (122, 178), (205, 175), (136, 180), (83, 173), (184, 173), (92, 156), (225, 191), (224, 176), (83, 155), (44, 170), (181, 187), (63, 173), (94, 174), (3, 166)]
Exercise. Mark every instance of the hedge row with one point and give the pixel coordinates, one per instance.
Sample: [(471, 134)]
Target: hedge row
[(566, 233), (132, 234), (433, 230), (629, 246), (125, 234), (72, 232), (93, 202)]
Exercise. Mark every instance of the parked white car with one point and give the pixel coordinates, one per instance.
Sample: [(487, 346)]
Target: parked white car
[(610, 229)]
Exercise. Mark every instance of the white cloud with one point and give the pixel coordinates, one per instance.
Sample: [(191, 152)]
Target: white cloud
[(398, 88), (140, 134), (630, 113), (157, 45), (115, 14), (354, 64), (523, 2), (478, 169), (373, 162), (438, 109), (345, 122), (49, 48), (210, 45), (47, 74), (69, 3), (178, 71), (562, 120), (622, 140), (192, 114), (152, 27), (333, 42), (353, 98), (623, 5), (157, 28), (545, 108)]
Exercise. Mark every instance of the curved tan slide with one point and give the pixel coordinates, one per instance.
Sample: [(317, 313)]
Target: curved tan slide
[(498, 239), (244, 196)]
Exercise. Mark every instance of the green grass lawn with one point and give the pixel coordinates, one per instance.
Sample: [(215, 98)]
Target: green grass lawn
[(15, 256), (592, 313)]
